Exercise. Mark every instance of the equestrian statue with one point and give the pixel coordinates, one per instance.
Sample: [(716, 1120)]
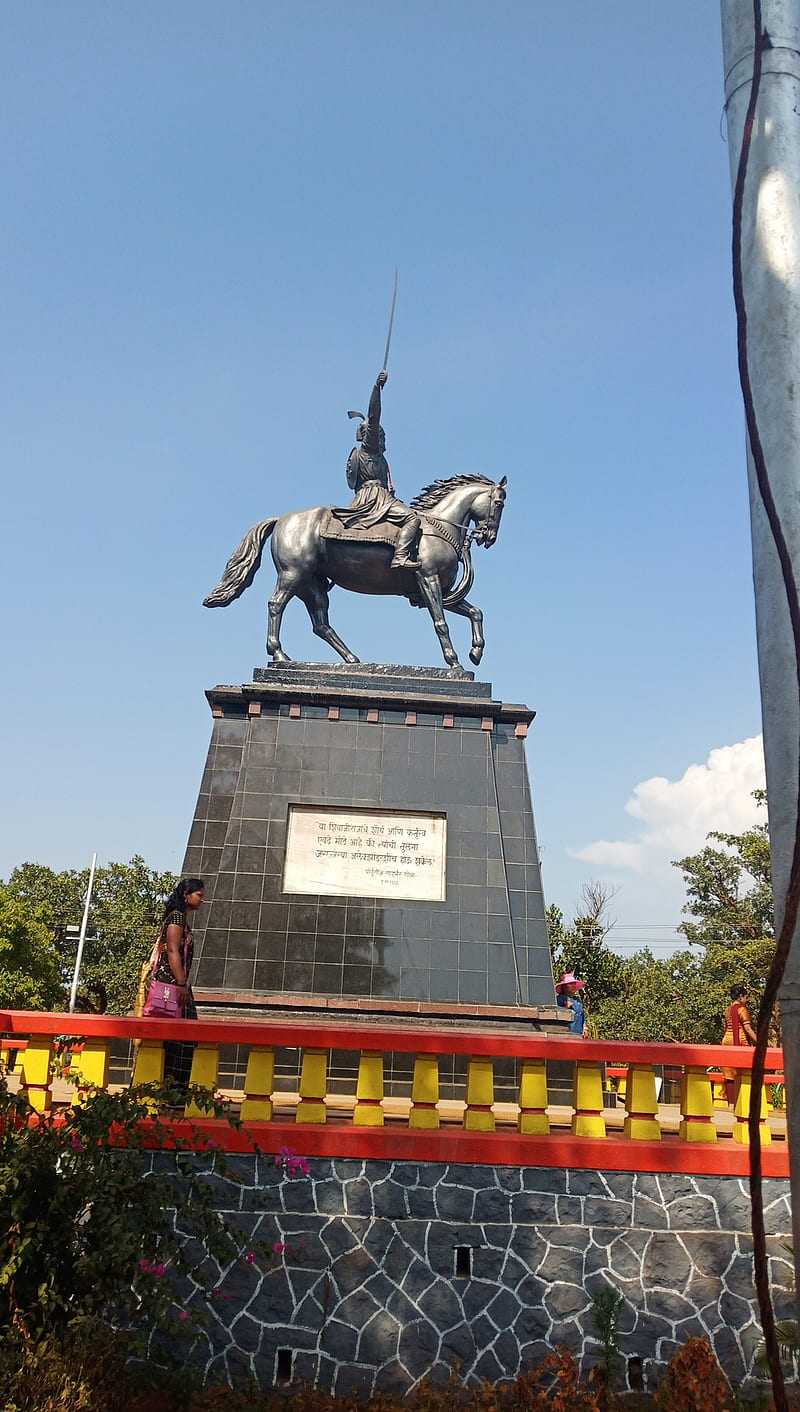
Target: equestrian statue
[(376, 544)]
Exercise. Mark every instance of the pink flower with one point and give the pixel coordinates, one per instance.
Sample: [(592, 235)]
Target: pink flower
[(211, 1142), (228, 1298), (291, 1163), (216, 1292), (279, 1247), (250, 1257), (76, 1144), (159, 1269), (145, 1266), (183, 1316)]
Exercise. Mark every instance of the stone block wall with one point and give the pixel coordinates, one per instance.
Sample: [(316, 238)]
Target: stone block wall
[(404, 1268)]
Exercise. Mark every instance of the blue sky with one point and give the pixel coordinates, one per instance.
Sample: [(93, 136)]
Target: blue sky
[(204, 205)]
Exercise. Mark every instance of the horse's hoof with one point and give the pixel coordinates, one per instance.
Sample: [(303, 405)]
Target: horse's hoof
[(456, 670), (351, 660), (475, 655)]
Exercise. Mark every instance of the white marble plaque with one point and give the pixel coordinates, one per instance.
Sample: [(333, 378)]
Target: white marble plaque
[(365, 853)]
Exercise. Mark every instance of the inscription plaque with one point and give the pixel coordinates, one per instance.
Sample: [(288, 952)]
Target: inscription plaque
[(365, 853)]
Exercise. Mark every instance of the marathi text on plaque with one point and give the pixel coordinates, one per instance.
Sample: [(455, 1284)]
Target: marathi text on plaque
[(365, 853)]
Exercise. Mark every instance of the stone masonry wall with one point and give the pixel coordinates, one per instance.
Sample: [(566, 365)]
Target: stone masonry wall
[(403, 1268)]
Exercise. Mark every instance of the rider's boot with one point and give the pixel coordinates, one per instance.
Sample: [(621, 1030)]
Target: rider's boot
[(404, 557)]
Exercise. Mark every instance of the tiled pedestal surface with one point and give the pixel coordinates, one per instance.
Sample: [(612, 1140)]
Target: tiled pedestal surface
[(403, 1269), (364, 738)]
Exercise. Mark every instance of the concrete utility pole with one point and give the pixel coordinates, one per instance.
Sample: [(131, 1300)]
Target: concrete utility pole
[(761, 39)]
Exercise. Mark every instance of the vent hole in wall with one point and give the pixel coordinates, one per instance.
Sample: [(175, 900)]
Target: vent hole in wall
[(283, 1366), (463, 1262), (635, 1375)]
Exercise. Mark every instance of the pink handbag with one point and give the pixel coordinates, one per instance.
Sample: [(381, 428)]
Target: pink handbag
[(163, 1000)]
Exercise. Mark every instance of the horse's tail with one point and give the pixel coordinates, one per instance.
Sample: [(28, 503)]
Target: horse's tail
[(242, 566), (459, 593)]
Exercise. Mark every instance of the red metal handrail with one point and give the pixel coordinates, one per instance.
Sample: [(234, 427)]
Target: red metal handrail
[(327, 1034)]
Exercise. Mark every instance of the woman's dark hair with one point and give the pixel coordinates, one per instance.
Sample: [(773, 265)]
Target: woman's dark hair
[(176, 902), (737, 991)]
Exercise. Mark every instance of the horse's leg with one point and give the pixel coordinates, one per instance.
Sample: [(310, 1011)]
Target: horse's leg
[(468, 610), (431, 590), (295, 554), (315, 597), (285, 588)]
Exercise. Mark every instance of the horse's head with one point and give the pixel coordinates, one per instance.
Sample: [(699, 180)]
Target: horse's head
[(487, 510)]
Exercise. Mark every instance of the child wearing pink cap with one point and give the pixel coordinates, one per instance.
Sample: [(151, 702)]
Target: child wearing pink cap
[(567, 995)]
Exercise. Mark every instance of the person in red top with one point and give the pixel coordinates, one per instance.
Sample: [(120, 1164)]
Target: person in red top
[(738, 1030)]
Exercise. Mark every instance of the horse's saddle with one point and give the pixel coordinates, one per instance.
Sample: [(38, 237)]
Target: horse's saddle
[(384, 532)]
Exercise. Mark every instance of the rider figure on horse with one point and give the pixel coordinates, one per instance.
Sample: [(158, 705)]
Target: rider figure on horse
[(368, 475)]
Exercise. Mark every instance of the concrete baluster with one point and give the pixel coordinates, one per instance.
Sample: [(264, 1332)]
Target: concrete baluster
[(533, 1117), (425, 1092), (205, 1073), (92, 1066), (587, 1100), (313, 1087), (148, 1067), (368, 1111), (36, 1066), (741, 1110), (480, 1096), (697, 1106), (641, 1104), (259, 1082)]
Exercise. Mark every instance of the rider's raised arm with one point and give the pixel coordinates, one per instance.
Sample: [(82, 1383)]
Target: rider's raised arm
[(371, 441)]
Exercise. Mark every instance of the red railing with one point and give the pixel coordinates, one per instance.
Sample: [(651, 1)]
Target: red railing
[(530, 1125)]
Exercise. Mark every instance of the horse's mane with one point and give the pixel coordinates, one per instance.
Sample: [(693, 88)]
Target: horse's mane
[(430, 495)]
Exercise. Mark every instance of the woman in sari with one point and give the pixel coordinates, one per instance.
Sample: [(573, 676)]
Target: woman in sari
[(738, 1030)]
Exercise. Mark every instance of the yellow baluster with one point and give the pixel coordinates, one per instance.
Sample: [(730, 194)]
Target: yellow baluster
[(741, 1110), (718, 1090), (479, 1117), (92, 1067), (533, 1097), (641, 1104), (259, 1082), (35, 1071), (148, 1066), (313, 1086), (205, 1072), (587, 1100), (697, 1107), (425, 1092), (368, 1112)]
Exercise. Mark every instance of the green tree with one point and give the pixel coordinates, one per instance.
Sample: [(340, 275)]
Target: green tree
[(30, 974), (580, 947), (126, 908), (682, 997), (729, 887)]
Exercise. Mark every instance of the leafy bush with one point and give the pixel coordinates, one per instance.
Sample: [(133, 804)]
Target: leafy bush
[(87, 1229), (694, 1381), (83, 1369), (607, 1306)]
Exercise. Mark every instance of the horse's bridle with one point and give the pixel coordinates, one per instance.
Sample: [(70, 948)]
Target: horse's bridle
[(458, 536)]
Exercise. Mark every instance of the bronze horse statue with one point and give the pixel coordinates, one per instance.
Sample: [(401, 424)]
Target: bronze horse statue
[(313, 551)]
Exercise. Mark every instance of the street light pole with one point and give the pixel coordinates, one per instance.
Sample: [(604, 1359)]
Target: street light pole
[(81, 939), (761, 40)]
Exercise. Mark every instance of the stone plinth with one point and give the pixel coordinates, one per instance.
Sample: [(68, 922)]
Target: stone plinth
[(363, 761)]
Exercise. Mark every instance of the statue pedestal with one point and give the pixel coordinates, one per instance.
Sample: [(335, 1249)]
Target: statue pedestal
[(367, 841)]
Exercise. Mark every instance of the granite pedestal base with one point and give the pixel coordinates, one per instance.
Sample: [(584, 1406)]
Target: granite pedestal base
[(392, 744)]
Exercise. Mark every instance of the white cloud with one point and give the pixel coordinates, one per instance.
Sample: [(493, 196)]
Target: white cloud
[(611, 855), (676, 815)]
